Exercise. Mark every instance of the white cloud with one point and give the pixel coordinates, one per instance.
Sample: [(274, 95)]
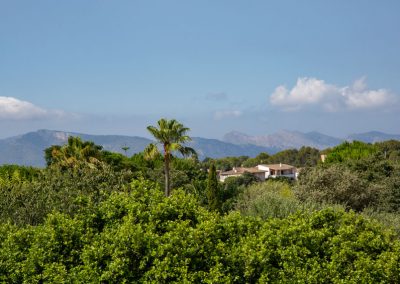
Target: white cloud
[(15, 109), (222, 114), (315, 92)]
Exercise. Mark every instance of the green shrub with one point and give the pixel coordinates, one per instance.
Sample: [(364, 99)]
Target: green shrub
[(66, 191), (336, 184), (275, 199)]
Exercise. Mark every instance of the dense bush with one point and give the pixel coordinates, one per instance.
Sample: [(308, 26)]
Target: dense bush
[(357, 175), (232, 187), (138, 235), (275, 199), (271, 199), (66, 191), (336, 185)]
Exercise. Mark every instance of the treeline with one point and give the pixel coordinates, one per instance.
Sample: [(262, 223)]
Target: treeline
[(92, 216), (303, 157)]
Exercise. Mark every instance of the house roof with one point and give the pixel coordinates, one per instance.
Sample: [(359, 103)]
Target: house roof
[(239, 171), (279, 166)]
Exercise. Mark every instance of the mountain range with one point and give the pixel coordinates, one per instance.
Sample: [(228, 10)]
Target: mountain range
[(284, 139), (28, 149)]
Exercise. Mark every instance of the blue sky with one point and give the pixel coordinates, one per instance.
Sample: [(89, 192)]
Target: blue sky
[(114, 67)]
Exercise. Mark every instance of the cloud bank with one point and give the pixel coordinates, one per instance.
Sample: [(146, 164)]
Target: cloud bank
[(314, 92), (15, 109)]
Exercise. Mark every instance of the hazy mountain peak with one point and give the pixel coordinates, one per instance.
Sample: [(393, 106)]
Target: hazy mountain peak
[(238, 138), (284, 139)]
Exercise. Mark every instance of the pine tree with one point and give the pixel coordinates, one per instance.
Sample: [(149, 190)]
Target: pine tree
[(212, 191)]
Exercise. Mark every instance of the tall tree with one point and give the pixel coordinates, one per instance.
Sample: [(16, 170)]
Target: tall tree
[(212, 191), (171, 135)]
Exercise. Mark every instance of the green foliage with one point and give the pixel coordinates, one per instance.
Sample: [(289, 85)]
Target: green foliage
[(387, 219), (118, 161), (303, 157), (389, 146), (390, 197), (271, 199), (139, 236), (262, 158), (66, 191), (326, 247), (10, 174), (224, 164), (233, 187), (84, 220), (348, 151), (357, 175), (336, 185)]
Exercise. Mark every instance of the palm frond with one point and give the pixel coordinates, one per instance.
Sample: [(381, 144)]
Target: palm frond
[(188, 151), (155, 132), (151, 151)]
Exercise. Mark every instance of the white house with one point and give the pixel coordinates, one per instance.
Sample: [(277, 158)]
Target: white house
[(235, 172), (278, 170), (263, 172)]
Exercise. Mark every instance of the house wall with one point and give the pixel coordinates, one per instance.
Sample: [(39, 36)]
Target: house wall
[(285, 173), (266, 169), (268, 173), (222, 178)]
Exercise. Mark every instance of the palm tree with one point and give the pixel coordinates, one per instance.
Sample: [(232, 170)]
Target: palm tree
[(74, 152), (170, 135), (125, 149)]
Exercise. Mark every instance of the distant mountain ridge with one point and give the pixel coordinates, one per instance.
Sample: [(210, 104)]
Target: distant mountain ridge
[(284, 139), (28, 149)]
